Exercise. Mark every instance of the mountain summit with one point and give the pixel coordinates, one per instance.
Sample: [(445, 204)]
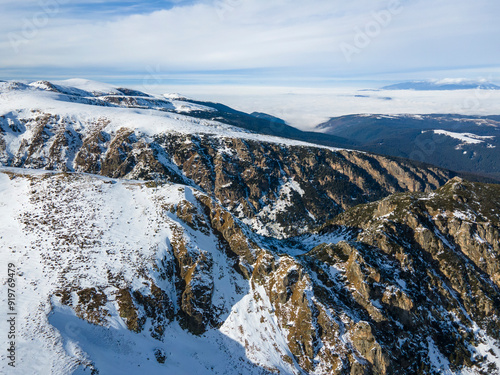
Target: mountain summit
[(445, 84), (146, 234)]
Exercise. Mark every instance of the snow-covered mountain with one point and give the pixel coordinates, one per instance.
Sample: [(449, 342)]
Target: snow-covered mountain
[(120, 136), (444, 84), (468, 144), (149, 236)]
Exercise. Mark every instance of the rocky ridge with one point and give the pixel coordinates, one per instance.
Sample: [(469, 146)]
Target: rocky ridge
[(196, 251), (402, 290), (278, 187)]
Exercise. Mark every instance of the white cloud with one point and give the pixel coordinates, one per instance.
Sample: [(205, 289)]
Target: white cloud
[(306, 107), (304, 37)]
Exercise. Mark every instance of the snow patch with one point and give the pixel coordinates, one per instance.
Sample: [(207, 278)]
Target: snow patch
[(438, 361), (255, 327), (465, 138)]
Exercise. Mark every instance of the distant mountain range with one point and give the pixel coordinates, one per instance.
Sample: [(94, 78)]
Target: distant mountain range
[(461, 143), (446, 84)]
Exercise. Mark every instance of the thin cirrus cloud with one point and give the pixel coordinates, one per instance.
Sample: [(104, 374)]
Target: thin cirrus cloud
[(287, 38)]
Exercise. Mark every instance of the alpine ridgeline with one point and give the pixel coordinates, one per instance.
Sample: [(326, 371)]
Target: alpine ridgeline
[(151, 236)]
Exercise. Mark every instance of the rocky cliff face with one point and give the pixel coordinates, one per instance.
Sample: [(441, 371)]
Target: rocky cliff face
[(278, 189), (422, 268), (142, 250), (404, 285)]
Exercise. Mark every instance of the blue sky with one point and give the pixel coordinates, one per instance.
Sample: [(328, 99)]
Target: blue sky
[(259, 42), (99, 8), (116, 8)]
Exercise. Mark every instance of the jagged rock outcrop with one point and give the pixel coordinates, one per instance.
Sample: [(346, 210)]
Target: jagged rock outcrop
[(402, 279), (416, 275), (411, 288), (278, 189)]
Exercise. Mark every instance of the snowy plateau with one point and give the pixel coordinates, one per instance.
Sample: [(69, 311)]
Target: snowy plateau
[(152, 235)]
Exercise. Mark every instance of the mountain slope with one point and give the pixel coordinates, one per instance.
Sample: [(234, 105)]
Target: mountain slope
[(162, 274), (144, 240), (116, 254), (461, 143), (279, 186), (423, 268)]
